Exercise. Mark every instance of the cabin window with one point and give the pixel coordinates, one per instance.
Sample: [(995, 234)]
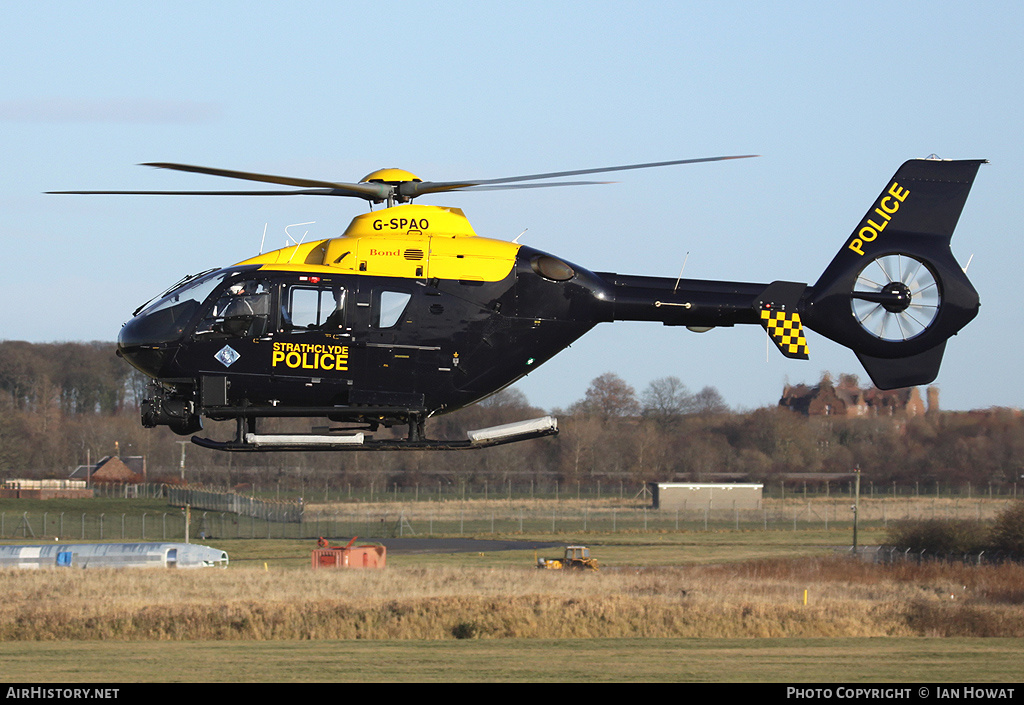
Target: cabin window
[(241, 311), (313, 308), (391, 305)]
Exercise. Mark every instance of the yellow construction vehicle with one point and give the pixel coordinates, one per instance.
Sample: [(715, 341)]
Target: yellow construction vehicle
[(576, 558)]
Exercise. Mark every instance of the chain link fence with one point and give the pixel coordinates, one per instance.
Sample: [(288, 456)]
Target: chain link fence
[(230, 502), (237, 518), (892, 554), (147, 526)]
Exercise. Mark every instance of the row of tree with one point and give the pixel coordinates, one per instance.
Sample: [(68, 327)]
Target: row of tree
[(63, 404), (67, 378)]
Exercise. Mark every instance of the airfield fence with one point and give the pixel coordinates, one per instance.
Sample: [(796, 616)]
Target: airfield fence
[(292, 486), (894, 554), (473, 518), (234, 503)]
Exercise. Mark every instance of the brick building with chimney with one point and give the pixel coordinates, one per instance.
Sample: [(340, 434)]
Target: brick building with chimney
[(848, 398)]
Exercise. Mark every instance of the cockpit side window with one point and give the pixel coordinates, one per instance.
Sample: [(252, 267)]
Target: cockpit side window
[(241, 311), (313, 308)]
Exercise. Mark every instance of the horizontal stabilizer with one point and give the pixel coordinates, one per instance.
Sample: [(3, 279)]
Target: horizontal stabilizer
[(778, 304), (786, 332)]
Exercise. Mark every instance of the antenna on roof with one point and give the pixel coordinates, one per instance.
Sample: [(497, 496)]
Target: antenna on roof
[(681, 271), (293, 225)]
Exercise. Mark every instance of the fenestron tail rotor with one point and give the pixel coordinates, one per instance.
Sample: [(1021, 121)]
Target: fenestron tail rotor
[(896, 297)]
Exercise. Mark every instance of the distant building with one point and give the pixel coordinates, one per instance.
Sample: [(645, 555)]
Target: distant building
[(848, 398), (45, 489), (125, 470), (705, 495)]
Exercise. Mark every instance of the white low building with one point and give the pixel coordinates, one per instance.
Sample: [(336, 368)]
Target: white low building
[(706, 495)]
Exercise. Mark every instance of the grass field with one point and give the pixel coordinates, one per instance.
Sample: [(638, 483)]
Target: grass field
[(612, 550), (901, 660), (722, 606)]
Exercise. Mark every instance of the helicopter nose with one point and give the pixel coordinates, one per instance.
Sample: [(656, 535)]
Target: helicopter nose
[(147, 361), (145, 356)]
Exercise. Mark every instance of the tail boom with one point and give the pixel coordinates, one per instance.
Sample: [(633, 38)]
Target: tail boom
[(893, 294)]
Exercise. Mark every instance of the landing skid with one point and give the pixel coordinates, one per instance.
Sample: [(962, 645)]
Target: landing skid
[(483, 438)]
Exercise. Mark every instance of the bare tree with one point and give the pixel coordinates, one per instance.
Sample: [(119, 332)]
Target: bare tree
[(666, 400), (608, 397), (709, 401)]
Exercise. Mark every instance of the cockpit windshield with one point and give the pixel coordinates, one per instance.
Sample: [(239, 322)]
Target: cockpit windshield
[(193, 289), (165, 319)]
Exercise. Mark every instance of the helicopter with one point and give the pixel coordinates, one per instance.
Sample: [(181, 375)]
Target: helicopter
[(410, 314)]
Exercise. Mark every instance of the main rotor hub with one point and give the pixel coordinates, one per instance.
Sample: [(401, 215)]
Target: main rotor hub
[(389, 176)]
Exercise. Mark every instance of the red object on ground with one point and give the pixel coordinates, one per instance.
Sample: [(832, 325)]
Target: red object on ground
[(368, 556)]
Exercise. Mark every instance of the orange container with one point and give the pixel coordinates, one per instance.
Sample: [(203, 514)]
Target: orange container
[(370, 556)]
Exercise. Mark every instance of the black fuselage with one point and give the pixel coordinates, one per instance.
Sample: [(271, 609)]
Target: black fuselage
[(343, 342)]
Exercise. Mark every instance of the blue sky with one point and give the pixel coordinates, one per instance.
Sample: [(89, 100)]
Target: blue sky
[(834, 96)]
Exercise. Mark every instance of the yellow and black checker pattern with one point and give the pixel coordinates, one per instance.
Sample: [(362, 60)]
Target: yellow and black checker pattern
[(786, 332)]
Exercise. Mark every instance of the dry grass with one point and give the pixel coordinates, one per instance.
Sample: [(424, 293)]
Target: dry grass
[(453, 508), (753, 599)]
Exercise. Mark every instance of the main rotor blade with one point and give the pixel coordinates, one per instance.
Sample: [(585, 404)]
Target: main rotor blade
[(416, 189), (504, 187), (299, 192), (379, 192), (367, 191)]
